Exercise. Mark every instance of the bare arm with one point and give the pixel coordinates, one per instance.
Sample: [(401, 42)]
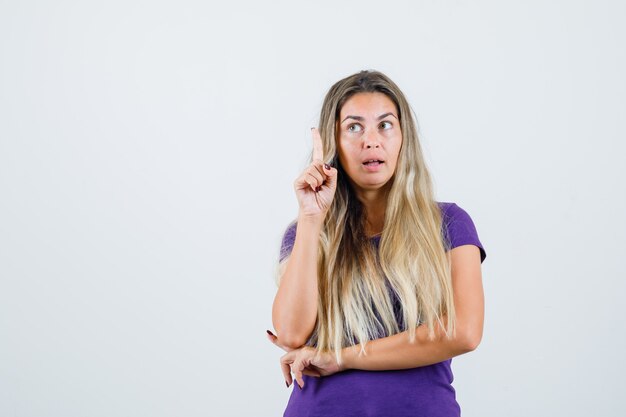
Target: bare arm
[(396, 352), (294, 311)]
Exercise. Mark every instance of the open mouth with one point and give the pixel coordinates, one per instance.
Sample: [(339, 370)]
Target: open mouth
[(373, 162)]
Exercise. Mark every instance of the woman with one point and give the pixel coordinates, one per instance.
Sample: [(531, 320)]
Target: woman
[(379, 285)]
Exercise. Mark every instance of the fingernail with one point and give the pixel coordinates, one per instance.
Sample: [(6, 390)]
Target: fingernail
[(270, 333), (312, 128), (287, 383), (327, 166), (299, 386)]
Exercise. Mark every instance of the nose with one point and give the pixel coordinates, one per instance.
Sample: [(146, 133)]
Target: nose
[(371, 140)]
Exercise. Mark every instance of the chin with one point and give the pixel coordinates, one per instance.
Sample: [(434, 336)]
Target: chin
[(374, 186)]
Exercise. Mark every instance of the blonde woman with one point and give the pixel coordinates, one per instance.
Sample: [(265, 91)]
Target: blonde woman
[(379, 285)]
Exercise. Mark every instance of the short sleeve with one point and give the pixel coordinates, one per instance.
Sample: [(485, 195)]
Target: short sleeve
[(459, 229), (289, 238)]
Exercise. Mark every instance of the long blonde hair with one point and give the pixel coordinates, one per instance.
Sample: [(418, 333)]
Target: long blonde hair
[(354, 301)]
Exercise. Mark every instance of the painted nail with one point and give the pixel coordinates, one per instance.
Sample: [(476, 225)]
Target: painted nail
[(270, 333), (327, 166), (287, 383)]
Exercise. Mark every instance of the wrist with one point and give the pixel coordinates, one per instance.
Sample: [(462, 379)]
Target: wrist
[(308, 220), (347, 357)]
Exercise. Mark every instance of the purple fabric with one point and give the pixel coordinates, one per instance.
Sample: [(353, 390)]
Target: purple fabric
[(418, 392)]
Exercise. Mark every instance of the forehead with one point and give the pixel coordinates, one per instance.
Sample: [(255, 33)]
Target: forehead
[(368, 105)]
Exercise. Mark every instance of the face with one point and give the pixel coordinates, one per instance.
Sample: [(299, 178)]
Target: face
[(369, 140)]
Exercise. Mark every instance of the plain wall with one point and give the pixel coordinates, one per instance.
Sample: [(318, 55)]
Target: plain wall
[(147, 156)]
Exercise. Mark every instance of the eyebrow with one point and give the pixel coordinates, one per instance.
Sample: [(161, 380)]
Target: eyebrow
[(360, 118)]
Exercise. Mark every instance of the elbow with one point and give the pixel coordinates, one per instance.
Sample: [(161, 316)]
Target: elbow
[(292, 335), (290, 338), (290, 341), (471, 341)]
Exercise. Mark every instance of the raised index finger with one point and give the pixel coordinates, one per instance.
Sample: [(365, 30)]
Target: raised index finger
[(318, 148)]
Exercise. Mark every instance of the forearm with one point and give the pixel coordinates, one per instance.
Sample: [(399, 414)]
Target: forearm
[(396, 352), (294, 311)]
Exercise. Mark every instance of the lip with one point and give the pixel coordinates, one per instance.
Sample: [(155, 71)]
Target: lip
[(370, 157), (373, 168)]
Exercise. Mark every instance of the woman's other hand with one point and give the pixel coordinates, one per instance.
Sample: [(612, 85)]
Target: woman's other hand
[(302, 361), (307, 361), (315, 187)]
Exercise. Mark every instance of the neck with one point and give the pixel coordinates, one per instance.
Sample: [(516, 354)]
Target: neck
[(375, 203)]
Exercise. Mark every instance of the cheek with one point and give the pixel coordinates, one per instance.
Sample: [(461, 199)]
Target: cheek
[(396, 154), (341, 156), (398, 148), (343, 151)]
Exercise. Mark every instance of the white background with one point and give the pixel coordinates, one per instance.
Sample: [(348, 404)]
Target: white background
[(147, 155)]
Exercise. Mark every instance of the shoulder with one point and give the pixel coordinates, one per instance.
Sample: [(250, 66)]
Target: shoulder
[(452, 212), (290, 231), (446, 206), (459, 228), (289, 236)]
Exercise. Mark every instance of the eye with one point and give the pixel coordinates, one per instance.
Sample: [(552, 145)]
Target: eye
[(386, 125), (355, 127)]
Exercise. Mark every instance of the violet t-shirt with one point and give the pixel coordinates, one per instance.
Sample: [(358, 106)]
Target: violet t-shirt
[(418, 392)]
